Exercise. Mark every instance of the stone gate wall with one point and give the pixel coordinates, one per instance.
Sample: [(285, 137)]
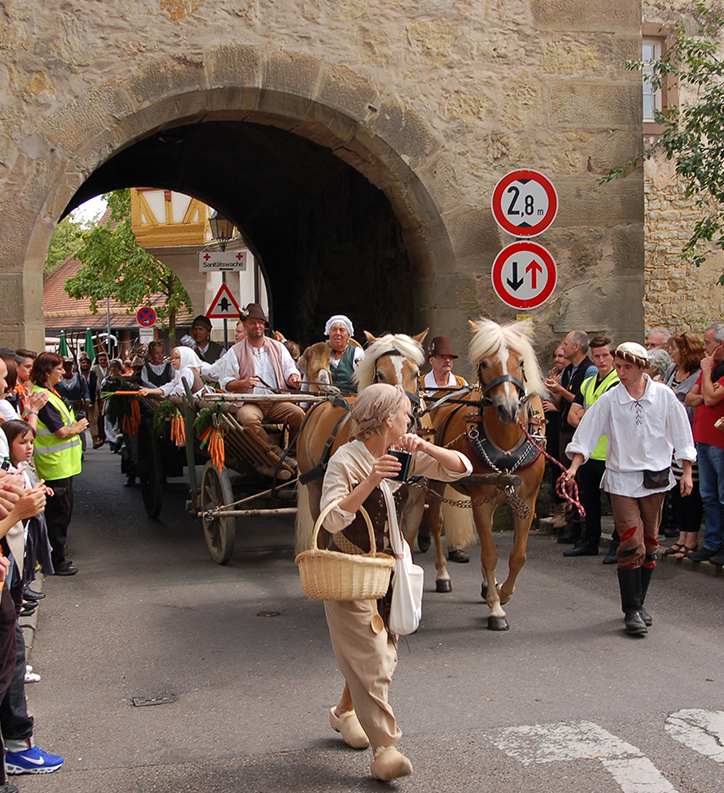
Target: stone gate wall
[(432, 100)]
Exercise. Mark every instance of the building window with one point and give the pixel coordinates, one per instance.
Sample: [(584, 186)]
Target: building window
[(650, 51), (654, 43)]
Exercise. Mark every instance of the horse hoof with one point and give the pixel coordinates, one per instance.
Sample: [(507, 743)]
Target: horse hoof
[(497, 624), (443, 585), (484, 592)]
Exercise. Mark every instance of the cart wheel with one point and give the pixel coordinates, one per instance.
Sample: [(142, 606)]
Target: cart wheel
[(150, 469), (220, 533)]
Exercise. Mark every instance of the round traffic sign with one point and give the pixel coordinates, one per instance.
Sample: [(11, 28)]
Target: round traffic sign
[(524, 275), (524, 203), (146, 317)]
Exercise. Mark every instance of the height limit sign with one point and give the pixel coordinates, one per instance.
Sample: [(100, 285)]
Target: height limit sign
[(524, 203), (524, 275)]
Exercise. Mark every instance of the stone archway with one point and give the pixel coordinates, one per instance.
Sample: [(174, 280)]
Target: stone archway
[(360, 123)]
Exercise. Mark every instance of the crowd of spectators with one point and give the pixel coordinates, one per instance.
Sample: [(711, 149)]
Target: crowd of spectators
[(693, 368)]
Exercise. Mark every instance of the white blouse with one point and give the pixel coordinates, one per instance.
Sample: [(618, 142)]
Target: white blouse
[(642, 436)]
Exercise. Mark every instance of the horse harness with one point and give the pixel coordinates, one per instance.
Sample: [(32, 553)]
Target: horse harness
[(503, 463)]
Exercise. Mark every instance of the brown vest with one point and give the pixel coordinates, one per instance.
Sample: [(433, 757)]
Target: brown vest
[(356, 539)]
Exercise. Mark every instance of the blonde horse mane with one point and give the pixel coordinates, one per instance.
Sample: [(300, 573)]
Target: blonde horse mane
[(490, 340), (406, 345)]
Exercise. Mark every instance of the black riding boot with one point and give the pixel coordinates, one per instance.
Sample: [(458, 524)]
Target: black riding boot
[(629, 582), (646, 573)]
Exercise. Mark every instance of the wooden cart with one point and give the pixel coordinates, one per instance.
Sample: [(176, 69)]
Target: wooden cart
[(254, 479)]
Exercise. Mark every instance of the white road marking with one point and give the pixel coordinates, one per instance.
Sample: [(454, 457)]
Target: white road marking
[(700, 730), (638, 775), (567, 742)]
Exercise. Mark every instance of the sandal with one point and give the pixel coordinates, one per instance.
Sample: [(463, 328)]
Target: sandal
[(676, 548), (683, 554)]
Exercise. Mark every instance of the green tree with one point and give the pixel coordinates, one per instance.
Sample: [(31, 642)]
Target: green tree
[(114, 265), (693, 134), (66, 240)]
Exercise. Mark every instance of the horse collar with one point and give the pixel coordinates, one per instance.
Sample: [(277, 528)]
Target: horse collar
[(523, 454)]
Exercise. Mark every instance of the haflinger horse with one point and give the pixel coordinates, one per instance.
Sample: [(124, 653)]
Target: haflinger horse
[(393, 358), (487, 426), (317, 369)]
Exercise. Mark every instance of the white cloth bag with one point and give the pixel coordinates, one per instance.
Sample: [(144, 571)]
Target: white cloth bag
[(408, 579)]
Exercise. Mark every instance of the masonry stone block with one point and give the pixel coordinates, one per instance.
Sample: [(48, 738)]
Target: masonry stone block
[(594, 105), (348, 92), (582, 201), (172, 76), (403, 130), (232, 65), (603, 16), (474, 231), (292, 73)]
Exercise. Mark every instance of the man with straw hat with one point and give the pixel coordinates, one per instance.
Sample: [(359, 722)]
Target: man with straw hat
[(645, 425)]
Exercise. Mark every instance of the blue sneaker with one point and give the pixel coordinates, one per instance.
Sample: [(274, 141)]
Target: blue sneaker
[(32, 761)]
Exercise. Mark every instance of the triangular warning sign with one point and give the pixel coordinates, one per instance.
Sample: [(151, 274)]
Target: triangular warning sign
[(223, 305)]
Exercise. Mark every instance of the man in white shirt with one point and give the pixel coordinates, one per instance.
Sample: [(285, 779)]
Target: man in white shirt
[(441, 375), (645, 425), (259, 365)]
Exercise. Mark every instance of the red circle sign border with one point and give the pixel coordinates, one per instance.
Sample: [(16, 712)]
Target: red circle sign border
[(497, 271), (143, 311), (496, 203)]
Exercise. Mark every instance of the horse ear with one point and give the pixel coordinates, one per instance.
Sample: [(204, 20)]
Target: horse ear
[(473, 326), (421, 336), (370, 338)]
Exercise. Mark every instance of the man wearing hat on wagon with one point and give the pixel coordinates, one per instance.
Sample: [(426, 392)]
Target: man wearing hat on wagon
[(207, 350), (259, 365), (645, 425), (441, 376)]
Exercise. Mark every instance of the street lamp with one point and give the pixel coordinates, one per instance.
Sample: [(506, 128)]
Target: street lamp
[(222, 230)]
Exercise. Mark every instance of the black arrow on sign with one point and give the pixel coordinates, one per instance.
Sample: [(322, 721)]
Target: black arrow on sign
[(516, 283), (224, 304)]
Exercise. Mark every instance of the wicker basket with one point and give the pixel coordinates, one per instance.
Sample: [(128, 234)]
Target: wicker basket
[(331, 575)]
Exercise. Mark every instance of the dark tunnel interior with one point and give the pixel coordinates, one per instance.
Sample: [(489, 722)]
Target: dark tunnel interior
[(327, 238)]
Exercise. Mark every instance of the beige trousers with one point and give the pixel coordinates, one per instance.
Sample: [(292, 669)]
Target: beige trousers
[(251, 414), (367, 660)]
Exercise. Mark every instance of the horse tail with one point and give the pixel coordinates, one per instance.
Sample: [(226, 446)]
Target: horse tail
[(304, 525), (458, 522)]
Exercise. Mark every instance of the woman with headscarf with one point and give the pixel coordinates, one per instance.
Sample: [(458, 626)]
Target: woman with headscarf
[(365, 649), (344, 353), (186, 366)]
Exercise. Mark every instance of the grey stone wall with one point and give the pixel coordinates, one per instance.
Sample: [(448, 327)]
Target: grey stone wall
[(432, 100)]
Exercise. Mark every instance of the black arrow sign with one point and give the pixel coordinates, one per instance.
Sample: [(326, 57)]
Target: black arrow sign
[(516, 283)]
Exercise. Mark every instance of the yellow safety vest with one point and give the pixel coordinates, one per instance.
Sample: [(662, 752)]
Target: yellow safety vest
[(590, 393), (57, 458)]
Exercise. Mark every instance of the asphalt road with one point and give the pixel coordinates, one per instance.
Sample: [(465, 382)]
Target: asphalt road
[(564, 701)]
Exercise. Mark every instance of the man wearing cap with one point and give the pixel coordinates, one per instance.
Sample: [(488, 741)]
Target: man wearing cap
[(207, 350), (259, 365), (645, 425), (441, 376)]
